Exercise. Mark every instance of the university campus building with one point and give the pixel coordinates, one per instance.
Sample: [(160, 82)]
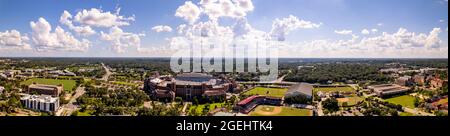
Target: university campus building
[(388, 89), (40, 102), (41, 89)]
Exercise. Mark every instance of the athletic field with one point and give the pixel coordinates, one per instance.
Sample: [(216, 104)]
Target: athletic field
[(68, 85), (265, 110), (272, 92), (405, 100), (351, 101)]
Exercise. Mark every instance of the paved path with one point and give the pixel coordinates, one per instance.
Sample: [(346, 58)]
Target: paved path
[(67, 109), (183, 112), (280, 80), (417, 112)]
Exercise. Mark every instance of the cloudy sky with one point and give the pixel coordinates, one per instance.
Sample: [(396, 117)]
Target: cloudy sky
[(157, 28)]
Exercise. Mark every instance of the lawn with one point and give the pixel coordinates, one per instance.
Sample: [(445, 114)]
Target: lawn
[(124, 83), (406, 114), (334, 89), (405, 100), (199, 108), (68, 85), (273, 92), (83, 114), (265, 110)]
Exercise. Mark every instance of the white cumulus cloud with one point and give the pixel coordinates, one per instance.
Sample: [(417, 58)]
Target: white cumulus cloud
[(65, 19), (121, 40), (189, 12), (162, 28), (374, 30), (343, 32), (282, 27), (59, 40), (226, 8), (13, 40), (365, 32), (98, 18)]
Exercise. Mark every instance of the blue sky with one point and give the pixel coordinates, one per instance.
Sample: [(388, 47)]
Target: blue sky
[(388, 16)]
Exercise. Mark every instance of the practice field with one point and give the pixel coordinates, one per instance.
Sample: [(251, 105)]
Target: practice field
[(266, 110), (351, 101), (273, 92), (405, 114), (124, 83), (68, 85), (334, 89), (405, 100)]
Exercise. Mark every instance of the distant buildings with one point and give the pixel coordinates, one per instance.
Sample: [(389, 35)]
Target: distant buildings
[(303, 67), (436, 82), (388, 89), (404, 81), (419, 79), (56, 73), (9, 74), (189, 86), (40, 102), (41, 89)]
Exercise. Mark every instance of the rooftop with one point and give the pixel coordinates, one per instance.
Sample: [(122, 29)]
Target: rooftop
[(303, 88), (247, 100), (44, 87), (40, 98)]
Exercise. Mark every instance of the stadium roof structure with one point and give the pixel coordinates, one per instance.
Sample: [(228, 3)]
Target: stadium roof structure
[(302, 88)]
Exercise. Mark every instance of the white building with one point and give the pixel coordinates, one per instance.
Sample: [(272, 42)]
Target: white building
[(40, 102)]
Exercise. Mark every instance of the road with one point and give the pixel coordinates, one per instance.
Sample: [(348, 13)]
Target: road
[(280, 80), (417, 112), (108, 73), (67, 109)]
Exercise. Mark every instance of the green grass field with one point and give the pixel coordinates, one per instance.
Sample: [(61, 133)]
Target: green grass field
[(334, 89), (273, 92), (199, 108), (405, 100), (124, 83), (405, 114), (68, 85), (265, 110)]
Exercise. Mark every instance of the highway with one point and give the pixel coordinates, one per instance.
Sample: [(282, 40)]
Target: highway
[(108, 73), (67, 109)]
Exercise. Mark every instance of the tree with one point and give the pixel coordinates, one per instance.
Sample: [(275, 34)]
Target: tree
[(344, 104), (75, 113), (331, 104), (196, 102), (206, 109), (416, 102)]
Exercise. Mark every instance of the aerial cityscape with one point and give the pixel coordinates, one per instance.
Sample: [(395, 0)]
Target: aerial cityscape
[(147, 87), (224, 58)]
